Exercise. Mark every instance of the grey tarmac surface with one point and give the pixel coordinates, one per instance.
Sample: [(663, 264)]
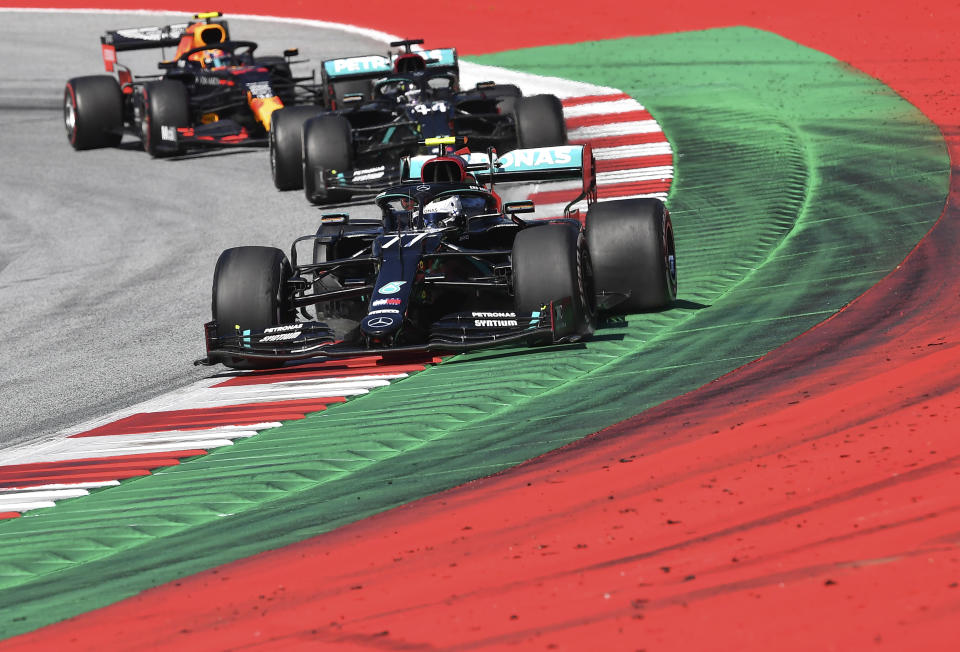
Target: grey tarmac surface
[(106, 256)]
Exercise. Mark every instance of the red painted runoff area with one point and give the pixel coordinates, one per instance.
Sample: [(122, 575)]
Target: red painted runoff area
[(806, 501)]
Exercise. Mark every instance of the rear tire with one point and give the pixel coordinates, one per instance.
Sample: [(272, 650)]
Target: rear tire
[(93, 112), (165, 104), (631, 246), (327, 147), (539, 121), (286, 146), (551, 262), (249, 293)]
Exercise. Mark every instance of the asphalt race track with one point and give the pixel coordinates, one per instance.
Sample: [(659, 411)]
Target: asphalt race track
[(106, 256)]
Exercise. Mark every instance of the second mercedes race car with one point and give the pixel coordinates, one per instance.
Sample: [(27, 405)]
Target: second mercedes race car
[(213, 91), (379, 108), (447, 268)]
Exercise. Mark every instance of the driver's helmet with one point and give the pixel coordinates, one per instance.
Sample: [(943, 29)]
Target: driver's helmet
[(442, 212), (212, 59), (402, 90)]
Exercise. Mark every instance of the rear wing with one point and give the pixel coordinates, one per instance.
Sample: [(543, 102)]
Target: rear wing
[(146, 38), (372, 66), (536, 164)]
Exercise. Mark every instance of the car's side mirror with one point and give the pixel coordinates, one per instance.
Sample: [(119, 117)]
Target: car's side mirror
[(292, 52), (525, 206)]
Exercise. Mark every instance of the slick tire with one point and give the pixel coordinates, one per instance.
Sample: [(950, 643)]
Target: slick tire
[(286, 148), (551, 262), (327, 147), (250, 293), (93, 112), (632, 250), (539, 121), (164, 104)]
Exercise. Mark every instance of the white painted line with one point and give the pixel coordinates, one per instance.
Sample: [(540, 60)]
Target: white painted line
[(631, 151), (26, 507), (615, 129), (69, 485), (33, 496), (321, 381), (602, 108), (69, 454), (627, 176)]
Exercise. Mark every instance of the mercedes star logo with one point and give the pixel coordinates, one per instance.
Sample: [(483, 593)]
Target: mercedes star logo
[(380, 322)]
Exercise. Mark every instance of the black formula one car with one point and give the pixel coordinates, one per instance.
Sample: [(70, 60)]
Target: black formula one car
[(379, 108), (213, 92), (447, 268)]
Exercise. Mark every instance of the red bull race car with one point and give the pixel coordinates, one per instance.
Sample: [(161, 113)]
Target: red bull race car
[(213, 91), (448, 267)]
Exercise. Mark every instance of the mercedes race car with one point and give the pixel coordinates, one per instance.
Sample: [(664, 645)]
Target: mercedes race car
[(446, 268), (213, 91), (379, 108)]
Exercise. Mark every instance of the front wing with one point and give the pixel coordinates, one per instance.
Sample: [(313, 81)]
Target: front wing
[(454, 333)]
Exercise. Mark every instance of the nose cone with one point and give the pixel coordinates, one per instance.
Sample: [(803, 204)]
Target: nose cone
[(379, 325)]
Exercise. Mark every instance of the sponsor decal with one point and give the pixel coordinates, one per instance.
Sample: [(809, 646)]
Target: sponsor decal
[(392, 287), (495, 322), (388, 311), (367, 174), (372, 63), (421, 188), (260, 89), (423, 109), (536, 158), (152, 33), (380, 322), (494, 315), (281, 337), (283, 329), (168, 133), (386, 302)]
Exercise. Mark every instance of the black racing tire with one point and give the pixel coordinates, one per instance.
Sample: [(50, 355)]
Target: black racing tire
[(250, 292), (93, 112), (327, 147), (539, 121), (552, 262), (334, 100), (164, 104), (286, 147), (631, 246)]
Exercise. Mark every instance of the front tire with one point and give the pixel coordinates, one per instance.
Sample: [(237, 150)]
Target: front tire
[(631, 245), (250, 293), (286, 147), (327, 147), (539, 121), (164, 105), (93, 112), (550, 263)]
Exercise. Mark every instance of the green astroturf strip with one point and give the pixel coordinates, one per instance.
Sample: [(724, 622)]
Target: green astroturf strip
[(799, 183)]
